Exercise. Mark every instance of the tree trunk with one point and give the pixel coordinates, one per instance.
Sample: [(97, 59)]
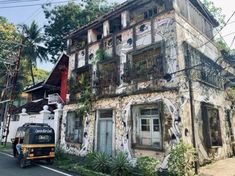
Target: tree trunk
[(31, 70)]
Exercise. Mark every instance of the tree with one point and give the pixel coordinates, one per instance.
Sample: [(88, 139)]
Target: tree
[(220, 17), (33, 49), (8, 44), (64, 19)]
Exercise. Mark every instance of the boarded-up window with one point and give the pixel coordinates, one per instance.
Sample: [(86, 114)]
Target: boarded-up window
[(211, 126), (74, 128)]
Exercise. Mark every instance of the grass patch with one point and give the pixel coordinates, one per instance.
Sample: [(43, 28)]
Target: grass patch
[(7, 148), (76, 165)]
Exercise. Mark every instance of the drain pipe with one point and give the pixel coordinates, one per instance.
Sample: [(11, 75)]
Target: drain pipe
[(191, 97)]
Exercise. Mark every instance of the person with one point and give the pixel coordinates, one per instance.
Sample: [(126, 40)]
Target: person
[(18, 146)]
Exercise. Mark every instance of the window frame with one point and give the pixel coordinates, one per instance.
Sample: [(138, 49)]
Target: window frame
[(138, 128), (77, 120), (207, 129)]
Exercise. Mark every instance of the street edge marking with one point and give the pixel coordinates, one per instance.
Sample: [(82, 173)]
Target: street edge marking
[(54, 170), (7, 154), (45, 167)]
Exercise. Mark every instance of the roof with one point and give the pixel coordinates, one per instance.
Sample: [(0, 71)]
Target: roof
[(33, 87), (197, 3), (62, 63), (53, 78), (34, 107)]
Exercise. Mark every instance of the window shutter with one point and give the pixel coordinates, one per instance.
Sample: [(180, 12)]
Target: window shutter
[(205, 126)]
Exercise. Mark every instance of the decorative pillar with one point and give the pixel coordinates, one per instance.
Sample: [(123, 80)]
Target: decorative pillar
[(106, 28), (58, 114), (45, 113), (125, 19)]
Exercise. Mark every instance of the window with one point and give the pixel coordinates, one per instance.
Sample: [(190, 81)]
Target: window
[(74, 128), (211, 126), (108, 77), (148, 127), (150, 13), (209, 72), (115, 24), (144, 64), (189, 11)]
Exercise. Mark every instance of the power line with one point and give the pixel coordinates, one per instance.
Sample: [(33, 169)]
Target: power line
[(18, 1), (31, 5), (220, 29), (232, 42)]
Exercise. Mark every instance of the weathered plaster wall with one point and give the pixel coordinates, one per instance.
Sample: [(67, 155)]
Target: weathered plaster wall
[(122, 119), (202, 92)]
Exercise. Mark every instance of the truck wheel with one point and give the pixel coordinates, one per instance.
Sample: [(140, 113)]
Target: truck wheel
[(22, 163), (50, 161)]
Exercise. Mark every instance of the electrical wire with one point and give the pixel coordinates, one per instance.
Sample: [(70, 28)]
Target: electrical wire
[(17, 2), (31, 5)]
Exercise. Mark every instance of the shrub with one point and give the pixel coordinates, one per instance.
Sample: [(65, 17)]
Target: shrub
[(120, 165), (88, 159), (59, 153), (181, 160), (99, 162), (146, 166)]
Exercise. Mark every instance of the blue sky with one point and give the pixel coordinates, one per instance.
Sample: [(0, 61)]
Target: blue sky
[(28, 14), (21, 15)]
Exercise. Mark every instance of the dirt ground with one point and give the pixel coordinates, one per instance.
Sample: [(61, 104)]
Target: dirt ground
[(224, 167)]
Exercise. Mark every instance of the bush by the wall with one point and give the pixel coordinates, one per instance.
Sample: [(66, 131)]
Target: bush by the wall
[(146, 166), (120, 165), (181, 160)]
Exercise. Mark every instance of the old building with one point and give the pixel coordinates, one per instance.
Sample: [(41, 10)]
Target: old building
[(150, 74)]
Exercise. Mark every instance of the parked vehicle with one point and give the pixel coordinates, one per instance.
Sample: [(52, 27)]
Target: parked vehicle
[(34, 141)]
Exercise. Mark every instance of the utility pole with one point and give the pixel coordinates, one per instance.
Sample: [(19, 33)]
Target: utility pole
[(191, 99), (13, 81)]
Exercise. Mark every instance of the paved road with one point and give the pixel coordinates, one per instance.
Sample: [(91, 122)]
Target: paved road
[(224, 167), (9, 166)]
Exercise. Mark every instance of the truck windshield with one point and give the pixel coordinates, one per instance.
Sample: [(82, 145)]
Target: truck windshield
[(43, 138)]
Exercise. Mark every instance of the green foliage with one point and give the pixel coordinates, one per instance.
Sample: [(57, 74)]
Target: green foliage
[(181, 160), (120, 165), (215, 11), (101, 55), (100, 162), (8, 37), (221, 45), (146, 166), (220, 17), (39, 74), (84, 101), (33, 49), (59, 153), (81, 170), (64, 19), (231, 93)]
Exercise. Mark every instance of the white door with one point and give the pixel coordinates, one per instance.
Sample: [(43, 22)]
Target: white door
[(104, 137), (150, 130)]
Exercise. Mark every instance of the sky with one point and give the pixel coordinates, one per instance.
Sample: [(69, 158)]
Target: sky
[(20, 15)]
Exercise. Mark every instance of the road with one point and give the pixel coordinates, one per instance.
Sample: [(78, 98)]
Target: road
[(9, 166)]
